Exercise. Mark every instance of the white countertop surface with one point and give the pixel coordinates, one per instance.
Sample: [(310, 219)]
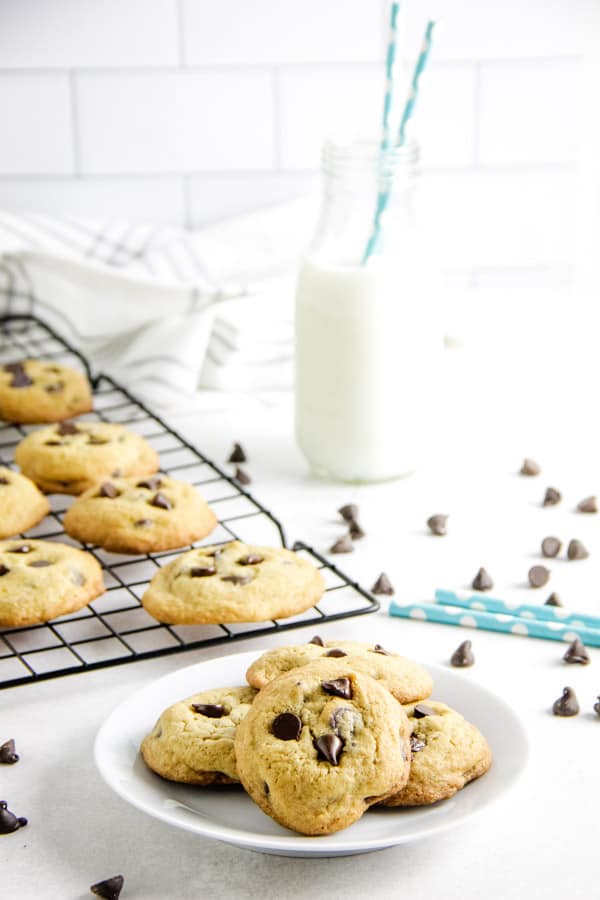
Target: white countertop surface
[(502, 401)]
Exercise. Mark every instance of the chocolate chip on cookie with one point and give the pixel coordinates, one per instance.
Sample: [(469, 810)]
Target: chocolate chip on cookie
[(238, 580), (422, 709), (67, 428), (338, 687), (152, 484), (253, 559), (336, 652), (287, 727), (161, 501), (381, 650), (107, 489), (8, 757), (202, 571), (110, 889), (317, 640), (329, 747), (567, 704), (212, 710)]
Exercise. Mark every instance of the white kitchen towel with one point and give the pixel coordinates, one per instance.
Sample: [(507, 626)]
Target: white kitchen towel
[(162, 309)]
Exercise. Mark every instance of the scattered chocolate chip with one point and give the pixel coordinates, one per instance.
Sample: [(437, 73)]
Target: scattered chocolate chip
[(576, 550), (40, 564), (416, 743), (8, 821), (4, 570), (317, 640), (20, 380), (78, 578), (421, 710), (538, 576), (597, 706), (336, 652), (588, 505), (338, 687), (463, 656), (237, 579), (342, 545), (355, 530), (566, 705), (551, 547), (152, 484), (530, 467), (576, 653), (97, 441), (67, 428), (349, 512), (161, 501), (253, 559), (241, 476), (55, 388), (551, 497), (20, 548), (202, 571), (482, 581), (237, 455), (109, 889), (107, 489), (143, 523), (8, 757), (437, 524), (4, 480), (210, 710), (383, 585), (329, 748), (553, 600), (379, 649), (287, 727)]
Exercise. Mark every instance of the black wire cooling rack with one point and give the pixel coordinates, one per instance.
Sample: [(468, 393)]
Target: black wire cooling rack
[(115, 629)]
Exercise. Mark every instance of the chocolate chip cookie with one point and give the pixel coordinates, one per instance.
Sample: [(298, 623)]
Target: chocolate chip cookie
[(233, 582), (40, 580), (192, 741), (405, 679), (22, 505), (447, 753), (140, 515), (71, 458), (36, 391), (322, 744)]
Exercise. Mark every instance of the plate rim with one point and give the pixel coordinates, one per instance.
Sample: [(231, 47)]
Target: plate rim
[(295, 844)]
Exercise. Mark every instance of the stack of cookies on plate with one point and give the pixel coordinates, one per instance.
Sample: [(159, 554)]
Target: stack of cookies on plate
[(322, 732)]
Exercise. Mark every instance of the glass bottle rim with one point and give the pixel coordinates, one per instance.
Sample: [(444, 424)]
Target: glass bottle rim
[(366, 156)]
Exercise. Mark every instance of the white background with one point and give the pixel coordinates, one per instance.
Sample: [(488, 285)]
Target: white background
[(185, 111)]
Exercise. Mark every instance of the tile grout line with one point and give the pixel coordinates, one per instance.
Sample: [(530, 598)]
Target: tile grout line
[(75, 131), (276, 118)]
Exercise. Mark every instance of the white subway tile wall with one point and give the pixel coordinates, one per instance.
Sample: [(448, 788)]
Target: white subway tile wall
[(188, 111)]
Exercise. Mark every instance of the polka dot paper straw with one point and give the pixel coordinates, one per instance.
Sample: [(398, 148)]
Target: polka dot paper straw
[(522, 610), (487, 621)]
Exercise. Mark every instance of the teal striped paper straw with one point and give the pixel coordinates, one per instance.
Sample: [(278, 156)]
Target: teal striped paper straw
[(385, 133), (502, 622), (522, 610)]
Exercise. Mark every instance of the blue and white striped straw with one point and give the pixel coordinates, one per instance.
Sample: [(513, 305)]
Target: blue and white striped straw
[(384, 196)]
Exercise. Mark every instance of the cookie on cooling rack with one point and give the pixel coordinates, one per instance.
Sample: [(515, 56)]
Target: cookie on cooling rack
[(405, 679), (322, 744), (192, 741), (40, 580), (233, 582), (36, 391), (447, 753), (133, 515), (22, 505), (71, 458)]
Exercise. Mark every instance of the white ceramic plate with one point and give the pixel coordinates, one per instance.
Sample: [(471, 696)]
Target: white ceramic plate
[(231, 816)]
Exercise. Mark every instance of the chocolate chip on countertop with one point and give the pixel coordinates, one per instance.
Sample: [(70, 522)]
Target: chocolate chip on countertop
[(553, 600), (210, 710), (107, 489), (383, 585), (349, 512), (67, 428), (8, 757), (152, 483), (241, 476), (329, 748), (530, 467), (538, 576), (287, 727), (551, 547), (109, 889), (588, 505), (597, 706), (8, 821), (551, 497), (421, 710), (338, 687), (437, 524), (463, 656), (342, 545), (237, 455), (576, 550), (335, 652), (576, 653), (482, 581), (416, 743), (566, 705), (317, 640), (202, 571), (355, 530), (159, 500)]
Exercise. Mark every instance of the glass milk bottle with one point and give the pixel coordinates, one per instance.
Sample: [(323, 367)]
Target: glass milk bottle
[(368, 336)]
